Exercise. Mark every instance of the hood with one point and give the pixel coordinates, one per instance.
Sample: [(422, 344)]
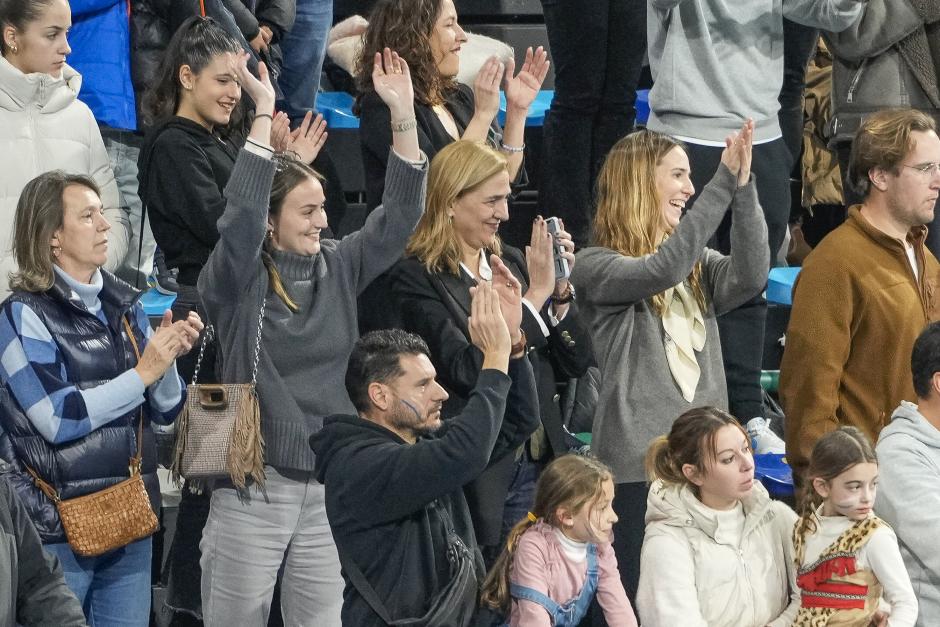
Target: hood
[(200, 133), (343, 435), (907, 420), (18, 91), (676, 506)]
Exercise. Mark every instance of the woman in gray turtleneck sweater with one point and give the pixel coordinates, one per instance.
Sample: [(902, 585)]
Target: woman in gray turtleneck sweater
[(270, 252)]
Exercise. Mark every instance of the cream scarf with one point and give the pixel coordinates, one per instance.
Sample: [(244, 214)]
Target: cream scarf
[(684, 328)]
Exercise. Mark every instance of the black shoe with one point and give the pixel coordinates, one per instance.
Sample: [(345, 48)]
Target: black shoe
[(166, 277)]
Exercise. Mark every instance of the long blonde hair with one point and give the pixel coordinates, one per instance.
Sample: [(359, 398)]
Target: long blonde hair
[(629, 215), (571, 482), (458, 169)]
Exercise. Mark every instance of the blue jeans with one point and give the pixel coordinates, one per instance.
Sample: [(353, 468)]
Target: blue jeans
[(114, 588), (304, 48)]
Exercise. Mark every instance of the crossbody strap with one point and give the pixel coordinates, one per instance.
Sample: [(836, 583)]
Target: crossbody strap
[(210, 335), (363, 587)]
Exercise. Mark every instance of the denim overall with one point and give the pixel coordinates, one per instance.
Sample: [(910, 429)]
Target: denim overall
[(571, 613)]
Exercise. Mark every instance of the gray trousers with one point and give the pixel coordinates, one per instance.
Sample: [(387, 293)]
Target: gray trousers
[(247, 542)]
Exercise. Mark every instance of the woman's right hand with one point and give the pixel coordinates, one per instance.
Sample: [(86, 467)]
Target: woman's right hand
[(161, 351), (488, 329), (737, 153), (486, 89)]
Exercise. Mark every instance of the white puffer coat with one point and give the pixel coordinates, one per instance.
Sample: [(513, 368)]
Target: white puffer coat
[(43, 126), (692, 574)]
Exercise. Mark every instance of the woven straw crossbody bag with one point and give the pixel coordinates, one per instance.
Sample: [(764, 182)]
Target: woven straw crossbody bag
[(111, 518)]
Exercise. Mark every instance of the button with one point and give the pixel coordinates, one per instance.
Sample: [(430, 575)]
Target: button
[(570, 343), (556, 398)]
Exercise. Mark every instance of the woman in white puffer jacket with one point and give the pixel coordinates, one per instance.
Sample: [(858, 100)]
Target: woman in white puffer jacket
[(43, 126), (718, 551)]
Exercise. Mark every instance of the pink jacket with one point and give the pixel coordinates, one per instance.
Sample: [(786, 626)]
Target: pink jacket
[(540, 563)]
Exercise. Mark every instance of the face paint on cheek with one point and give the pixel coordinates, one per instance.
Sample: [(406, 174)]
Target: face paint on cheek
[(412, 408)]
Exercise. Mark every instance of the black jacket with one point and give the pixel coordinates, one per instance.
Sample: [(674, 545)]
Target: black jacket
[(32, 587), (91, 353), (375, 135), (436, 307), (382, 493), (251, 15), (183, 169)]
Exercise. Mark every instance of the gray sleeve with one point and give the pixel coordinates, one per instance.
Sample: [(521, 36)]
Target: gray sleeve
[(832, 15), (608, 278), (883, 24), (381, 242), (733, 279)]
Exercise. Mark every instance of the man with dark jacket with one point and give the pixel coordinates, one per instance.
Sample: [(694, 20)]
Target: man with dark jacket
[(394, 474), (32, 587)]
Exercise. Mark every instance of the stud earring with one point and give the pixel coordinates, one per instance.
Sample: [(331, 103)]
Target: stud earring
[(269, 233), (56, 250), (14, 49)]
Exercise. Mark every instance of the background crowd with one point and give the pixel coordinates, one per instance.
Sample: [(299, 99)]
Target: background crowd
[(419, 384)]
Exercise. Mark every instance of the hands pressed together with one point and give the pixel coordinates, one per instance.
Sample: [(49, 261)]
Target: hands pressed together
[(169, 341), (738, 150)]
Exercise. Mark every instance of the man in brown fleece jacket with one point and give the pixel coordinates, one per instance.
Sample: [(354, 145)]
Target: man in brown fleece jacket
[(866, 292)]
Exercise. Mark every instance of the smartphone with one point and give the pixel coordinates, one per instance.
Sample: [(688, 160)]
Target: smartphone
[(562, 271)]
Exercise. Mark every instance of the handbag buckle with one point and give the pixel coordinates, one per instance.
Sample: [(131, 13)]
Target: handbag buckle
[(213, 397)]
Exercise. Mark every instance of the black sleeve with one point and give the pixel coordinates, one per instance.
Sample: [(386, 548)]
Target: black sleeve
[(247, 23), (522, 417), (278, 15), (424, 313), (396, 480), (42, 597), (182, 187), (375, 136)]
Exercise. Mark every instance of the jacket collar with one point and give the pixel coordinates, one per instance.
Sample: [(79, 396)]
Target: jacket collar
[(116, 296), (917, 235), (50, 94), (679, 506)]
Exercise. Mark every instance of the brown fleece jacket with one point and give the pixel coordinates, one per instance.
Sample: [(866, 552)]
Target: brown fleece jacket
[(857, 309)]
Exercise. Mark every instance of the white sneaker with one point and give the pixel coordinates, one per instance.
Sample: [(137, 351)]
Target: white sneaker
[(763, 440)]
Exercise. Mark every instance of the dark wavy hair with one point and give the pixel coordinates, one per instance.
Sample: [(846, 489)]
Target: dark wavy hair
[(405, 26), (197, 41)]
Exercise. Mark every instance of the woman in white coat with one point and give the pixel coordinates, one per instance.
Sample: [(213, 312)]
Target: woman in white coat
[(717, 551), (43, 125)]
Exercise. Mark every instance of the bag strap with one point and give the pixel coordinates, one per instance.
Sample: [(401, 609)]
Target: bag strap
[(135, 461), (210, 335), (362, 586)]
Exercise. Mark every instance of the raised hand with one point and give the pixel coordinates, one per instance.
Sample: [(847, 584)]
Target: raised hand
[(307, 140), (510, 296), (738, 152), (563, 238), (260, 89), (160, 352), (392, 81), (486, 89), (189, 330), (522, 88), (540, 264), (488, 330)]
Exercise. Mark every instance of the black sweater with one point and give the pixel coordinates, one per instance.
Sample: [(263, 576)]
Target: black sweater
[(382, 493), (183, 169)]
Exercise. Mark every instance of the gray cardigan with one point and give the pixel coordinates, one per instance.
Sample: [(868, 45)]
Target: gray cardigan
[(303, 355), (638, 398)]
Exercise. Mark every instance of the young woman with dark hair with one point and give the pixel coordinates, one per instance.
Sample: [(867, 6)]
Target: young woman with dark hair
[(272, 276)]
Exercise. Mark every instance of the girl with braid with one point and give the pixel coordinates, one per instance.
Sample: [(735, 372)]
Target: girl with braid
[(847, 558)]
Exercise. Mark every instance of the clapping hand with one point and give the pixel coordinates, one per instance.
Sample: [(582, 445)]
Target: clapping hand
[(486, 88), (392, 81), (488, 330), (540, 263), (738, 150), (169, 340), (522, 88), (510, 296)]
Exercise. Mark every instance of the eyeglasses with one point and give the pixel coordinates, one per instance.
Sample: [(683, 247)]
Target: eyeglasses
[(927, 169)]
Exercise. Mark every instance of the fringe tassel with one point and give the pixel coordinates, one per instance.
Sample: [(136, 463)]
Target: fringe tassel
[(179, 447), (246, 455)]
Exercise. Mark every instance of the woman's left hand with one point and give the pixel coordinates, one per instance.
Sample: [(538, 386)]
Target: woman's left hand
[(260, 89), (563, 238), (392, 81), (188, 330), (522, 88), (307, 140)]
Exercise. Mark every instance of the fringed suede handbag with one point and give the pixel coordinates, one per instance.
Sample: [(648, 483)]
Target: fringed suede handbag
[(111, 518), (218, 432)]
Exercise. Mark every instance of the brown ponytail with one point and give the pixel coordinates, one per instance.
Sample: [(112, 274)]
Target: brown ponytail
[(569, 482), (691, 440), (833, 454)]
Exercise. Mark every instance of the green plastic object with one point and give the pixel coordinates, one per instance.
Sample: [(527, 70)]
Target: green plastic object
[(770, 380)]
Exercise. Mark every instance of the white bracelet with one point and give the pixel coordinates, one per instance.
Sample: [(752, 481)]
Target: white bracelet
[(508, 148)]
